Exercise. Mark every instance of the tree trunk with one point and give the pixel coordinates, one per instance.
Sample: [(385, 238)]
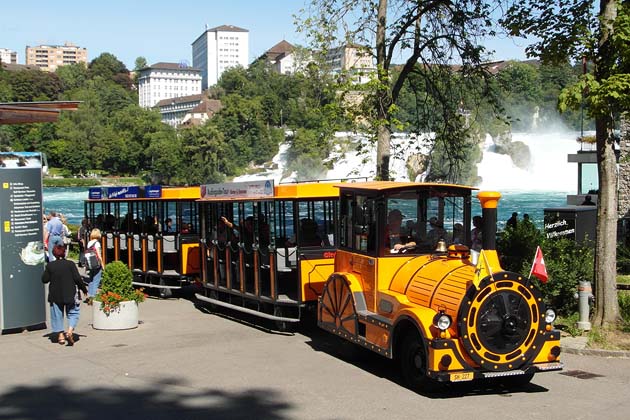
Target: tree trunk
[(383, 100), (607, 305)]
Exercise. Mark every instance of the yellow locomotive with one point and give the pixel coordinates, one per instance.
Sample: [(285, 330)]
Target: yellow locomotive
[(406, 285)]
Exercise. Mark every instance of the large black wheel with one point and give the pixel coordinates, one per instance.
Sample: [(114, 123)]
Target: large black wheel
[(164, 292), (283, 326), (413, 363)]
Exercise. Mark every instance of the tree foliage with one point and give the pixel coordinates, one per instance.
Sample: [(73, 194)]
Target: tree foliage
[(429, 34), (577, 29)]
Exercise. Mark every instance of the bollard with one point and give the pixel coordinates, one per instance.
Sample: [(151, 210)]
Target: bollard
[(585, 293)]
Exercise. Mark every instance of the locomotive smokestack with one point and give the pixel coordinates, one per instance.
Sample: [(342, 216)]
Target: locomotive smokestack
[(489, 201)]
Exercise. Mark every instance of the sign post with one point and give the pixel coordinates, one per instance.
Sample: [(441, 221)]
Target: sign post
[(22, 296)]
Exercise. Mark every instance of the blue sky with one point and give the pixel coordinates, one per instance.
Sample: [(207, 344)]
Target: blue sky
[(158, 30)]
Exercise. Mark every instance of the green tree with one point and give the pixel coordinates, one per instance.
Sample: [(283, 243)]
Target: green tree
[(431, 33), (108, 67), (165, 155), (72, 76), (577, 29), (203, 158), (140, 63), (34, 85)]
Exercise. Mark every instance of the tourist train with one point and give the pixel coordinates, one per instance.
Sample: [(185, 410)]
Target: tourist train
[(385, 265)]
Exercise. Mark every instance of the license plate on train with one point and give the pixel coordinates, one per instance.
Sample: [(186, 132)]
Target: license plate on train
[(461, 376)]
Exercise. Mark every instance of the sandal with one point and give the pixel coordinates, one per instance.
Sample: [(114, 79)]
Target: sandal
[(61, 339), (70, 337)]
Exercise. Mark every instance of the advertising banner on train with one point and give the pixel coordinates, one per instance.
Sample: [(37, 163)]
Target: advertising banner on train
[(244, 189), (22, 300)]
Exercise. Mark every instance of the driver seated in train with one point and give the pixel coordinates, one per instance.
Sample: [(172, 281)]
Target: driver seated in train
[(396, 239)]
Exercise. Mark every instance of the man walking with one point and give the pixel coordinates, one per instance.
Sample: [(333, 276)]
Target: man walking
[(52, 234)]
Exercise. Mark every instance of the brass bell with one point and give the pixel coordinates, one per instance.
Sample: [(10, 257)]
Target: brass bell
[(441, 246)]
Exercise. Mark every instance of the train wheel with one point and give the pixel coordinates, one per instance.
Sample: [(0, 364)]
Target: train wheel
[(164, 293), (413, 363), (282, 326), (336, 308)]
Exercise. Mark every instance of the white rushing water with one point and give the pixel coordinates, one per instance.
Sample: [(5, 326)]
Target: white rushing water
[(549, 169)]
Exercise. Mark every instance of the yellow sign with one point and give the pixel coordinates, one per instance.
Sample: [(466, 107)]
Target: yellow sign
[(461, 376), (5, 185), (7, 226)]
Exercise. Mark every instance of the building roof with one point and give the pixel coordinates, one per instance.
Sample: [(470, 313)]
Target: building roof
[(18, 67), (222, 28), (170, 66), (279, 50), (181, 100), (227, 28), (208, 106)]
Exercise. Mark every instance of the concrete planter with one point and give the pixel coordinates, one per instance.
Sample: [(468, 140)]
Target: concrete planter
[(124, 317)]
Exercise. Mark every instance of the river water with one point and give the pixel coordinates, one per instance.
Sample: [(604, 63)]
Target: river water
[(69, 201)]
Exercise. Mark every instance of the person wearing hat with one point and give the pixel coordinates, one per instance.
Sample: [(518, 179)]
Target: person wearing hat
[(396, 239), (437, 231)]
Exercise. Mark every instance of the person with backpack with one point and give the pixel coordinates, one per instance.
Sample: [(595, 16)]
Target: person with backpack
[(96, 270), (63, 294)]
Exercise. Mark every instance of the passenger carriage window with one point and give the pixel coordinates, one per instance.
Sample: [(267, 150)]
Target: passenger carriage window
[(445, 220), (358, 224), (402, 231)]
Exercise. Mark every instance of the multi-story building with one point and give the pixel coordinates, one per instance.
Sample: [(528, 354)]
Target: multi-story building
[(167, 81), (351, 60), (49, 57), (280, 57), (188, 110), (218, 49), (8, 56)]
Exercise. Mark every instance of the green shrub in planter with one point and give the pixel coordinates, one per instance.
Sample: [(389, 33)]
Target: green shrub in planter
[(116, 287)]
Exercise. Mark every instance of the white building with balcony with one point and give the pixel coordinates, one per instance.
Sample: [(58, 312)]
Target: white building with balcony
[(218, 49), (166, 81), (8, 56)]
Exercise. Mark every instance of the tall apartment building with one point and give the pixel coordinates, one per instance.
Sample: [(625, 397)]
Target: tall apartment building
[(49, 57), (165, 81), (8, 56), (218, 49)]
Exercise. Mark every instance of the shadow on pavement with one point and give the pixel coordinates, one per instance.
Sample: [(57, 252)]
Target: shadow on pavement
[(159, 401), (358, 356)]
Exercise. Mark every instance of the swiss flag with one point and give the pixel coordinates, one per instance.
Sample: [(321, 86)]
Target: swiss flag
[(538, 268)]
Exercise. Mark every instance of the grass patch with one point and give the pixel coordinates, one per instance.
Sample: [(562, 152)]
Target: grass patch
[(623, 279), (568, 324)]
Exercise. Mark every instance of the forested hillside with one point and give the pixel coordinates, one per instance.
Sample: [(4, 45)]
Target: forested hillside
[(110, 134)]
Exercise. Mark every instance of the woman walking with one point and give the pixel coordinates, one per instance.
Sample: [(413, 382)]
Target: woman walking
[(95, 274), (63, 295)]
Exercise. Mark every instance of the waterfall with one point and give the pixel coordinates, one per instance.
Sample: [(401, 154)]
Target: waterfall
[(549, 169)]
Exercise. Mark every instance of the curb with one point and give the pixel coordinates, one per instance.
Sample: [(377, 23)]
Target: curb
[(596, 352), (577, 345)]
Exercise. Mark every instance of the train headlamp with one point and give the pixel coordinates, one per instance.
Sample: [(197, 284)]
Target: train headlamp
[(550, 316), (442, 321)]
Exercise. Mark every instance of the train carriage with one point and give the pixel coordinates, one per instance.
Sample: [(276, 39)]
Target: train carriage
[(405, 286), (268, 249), (153, 230)]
